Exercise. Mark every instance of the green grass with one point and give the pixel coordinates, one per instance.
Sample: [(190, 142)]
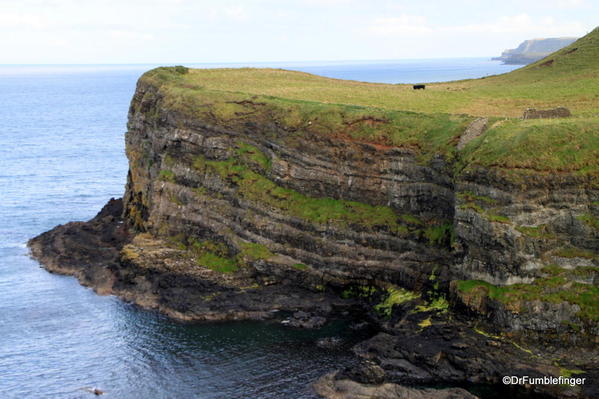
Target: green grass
[(555, 288), (213, 255), (544, 145), (428, 122), (427, 134), (472, 202), (571, 81), (472, 206)]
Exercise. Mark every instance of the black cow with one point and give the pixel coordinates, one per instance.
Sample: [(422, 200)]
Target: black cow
[(418, 87)]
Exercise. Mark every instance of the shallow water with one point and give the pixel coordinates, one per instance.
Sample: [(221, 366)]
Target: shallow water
[(62, 157)]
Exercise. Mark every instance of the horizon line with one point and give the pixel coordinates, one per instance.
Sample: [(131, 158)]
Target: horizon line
[(240, 62)]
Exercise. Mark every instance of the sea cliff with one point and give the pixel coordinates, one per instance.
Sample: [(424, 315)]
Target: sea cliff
[(472, 245), (533, 50)]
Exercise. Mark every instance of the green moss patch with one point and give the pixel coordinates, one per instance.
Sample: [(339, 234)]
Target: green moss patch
[(252, 251), (438, 304), (590, 220), (497, 218), (213, 255), (252, 154), (439, 234), (478, 203), (556, 288), (218, 263), (216, 255), (359, 291), (573, 252), (255, 187), (394, 296), (540, 231), (468, 196), (166, 175)]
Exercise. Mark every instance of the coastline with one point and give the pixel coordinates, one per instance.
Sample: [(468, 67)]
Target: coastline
[(242, 206), (457, 351)]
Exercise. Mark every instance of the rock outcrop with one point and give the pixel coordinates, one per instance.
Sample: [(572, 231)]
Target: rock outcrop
[(559, 112)]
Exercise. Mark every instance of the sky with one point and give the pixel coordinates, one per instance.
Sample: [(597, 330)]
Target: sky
[(204, 31)]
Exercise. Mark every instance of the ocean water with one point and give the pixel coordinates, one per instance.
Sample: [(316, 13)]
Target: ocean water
[(62, 157)]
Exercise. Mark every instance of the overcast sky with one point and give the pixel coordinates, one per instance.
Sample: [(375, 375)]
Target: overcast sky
[(198, 31)]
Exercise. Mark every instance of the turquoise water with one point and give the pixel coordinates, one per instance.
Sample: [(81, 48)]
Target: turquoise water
[(62, 157)]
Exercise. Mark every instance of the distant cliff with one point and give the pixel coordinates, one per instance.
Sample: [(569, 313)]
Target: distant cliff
[(533, 50)]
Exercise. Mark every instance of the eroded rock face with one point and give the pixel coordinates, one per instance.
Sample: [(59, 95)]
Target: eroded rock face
[(328, 210), (533, 230), (328, 204)]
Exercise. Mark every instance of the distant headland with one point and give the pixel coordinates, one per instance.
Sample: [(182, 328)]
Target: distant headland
[(533, 50)]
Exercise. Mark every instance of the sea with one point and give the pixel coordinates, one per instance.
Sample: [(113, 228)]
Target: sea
[(61, 158)]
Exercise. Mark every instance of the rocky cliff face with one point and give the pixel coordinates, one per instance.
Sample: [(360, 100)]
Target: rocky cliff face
[(235, 208), (327, 209)]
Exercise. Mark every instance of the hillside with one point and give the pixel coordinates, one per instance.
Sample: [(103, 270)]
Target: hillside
[(429, 120), (571, 80)]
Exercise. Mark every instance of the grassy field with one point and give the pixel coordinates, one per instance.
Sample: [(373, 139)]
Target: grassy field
[(429, 121), (569, 78)]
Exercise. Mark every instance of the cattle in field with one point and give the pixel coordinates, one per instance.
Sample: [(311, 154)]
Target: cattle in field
[(419, 87)]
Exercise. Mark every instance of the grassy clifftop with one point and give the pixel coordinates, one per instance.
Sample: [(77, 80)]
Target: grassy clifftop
[(429, 121), (569, 77)]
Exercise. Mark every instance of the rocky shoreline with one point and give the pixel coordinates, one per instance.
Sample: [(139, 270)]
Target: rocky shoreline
[(156, 276), (412, 348)]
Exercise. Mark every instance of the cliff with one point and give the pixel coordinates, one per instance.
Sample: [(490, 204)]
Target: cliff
[(478, 237), (533, 50)]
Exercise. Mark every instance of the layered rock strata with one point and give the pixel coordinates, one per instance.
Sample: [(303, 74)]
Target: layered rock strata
[(232, 211)]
